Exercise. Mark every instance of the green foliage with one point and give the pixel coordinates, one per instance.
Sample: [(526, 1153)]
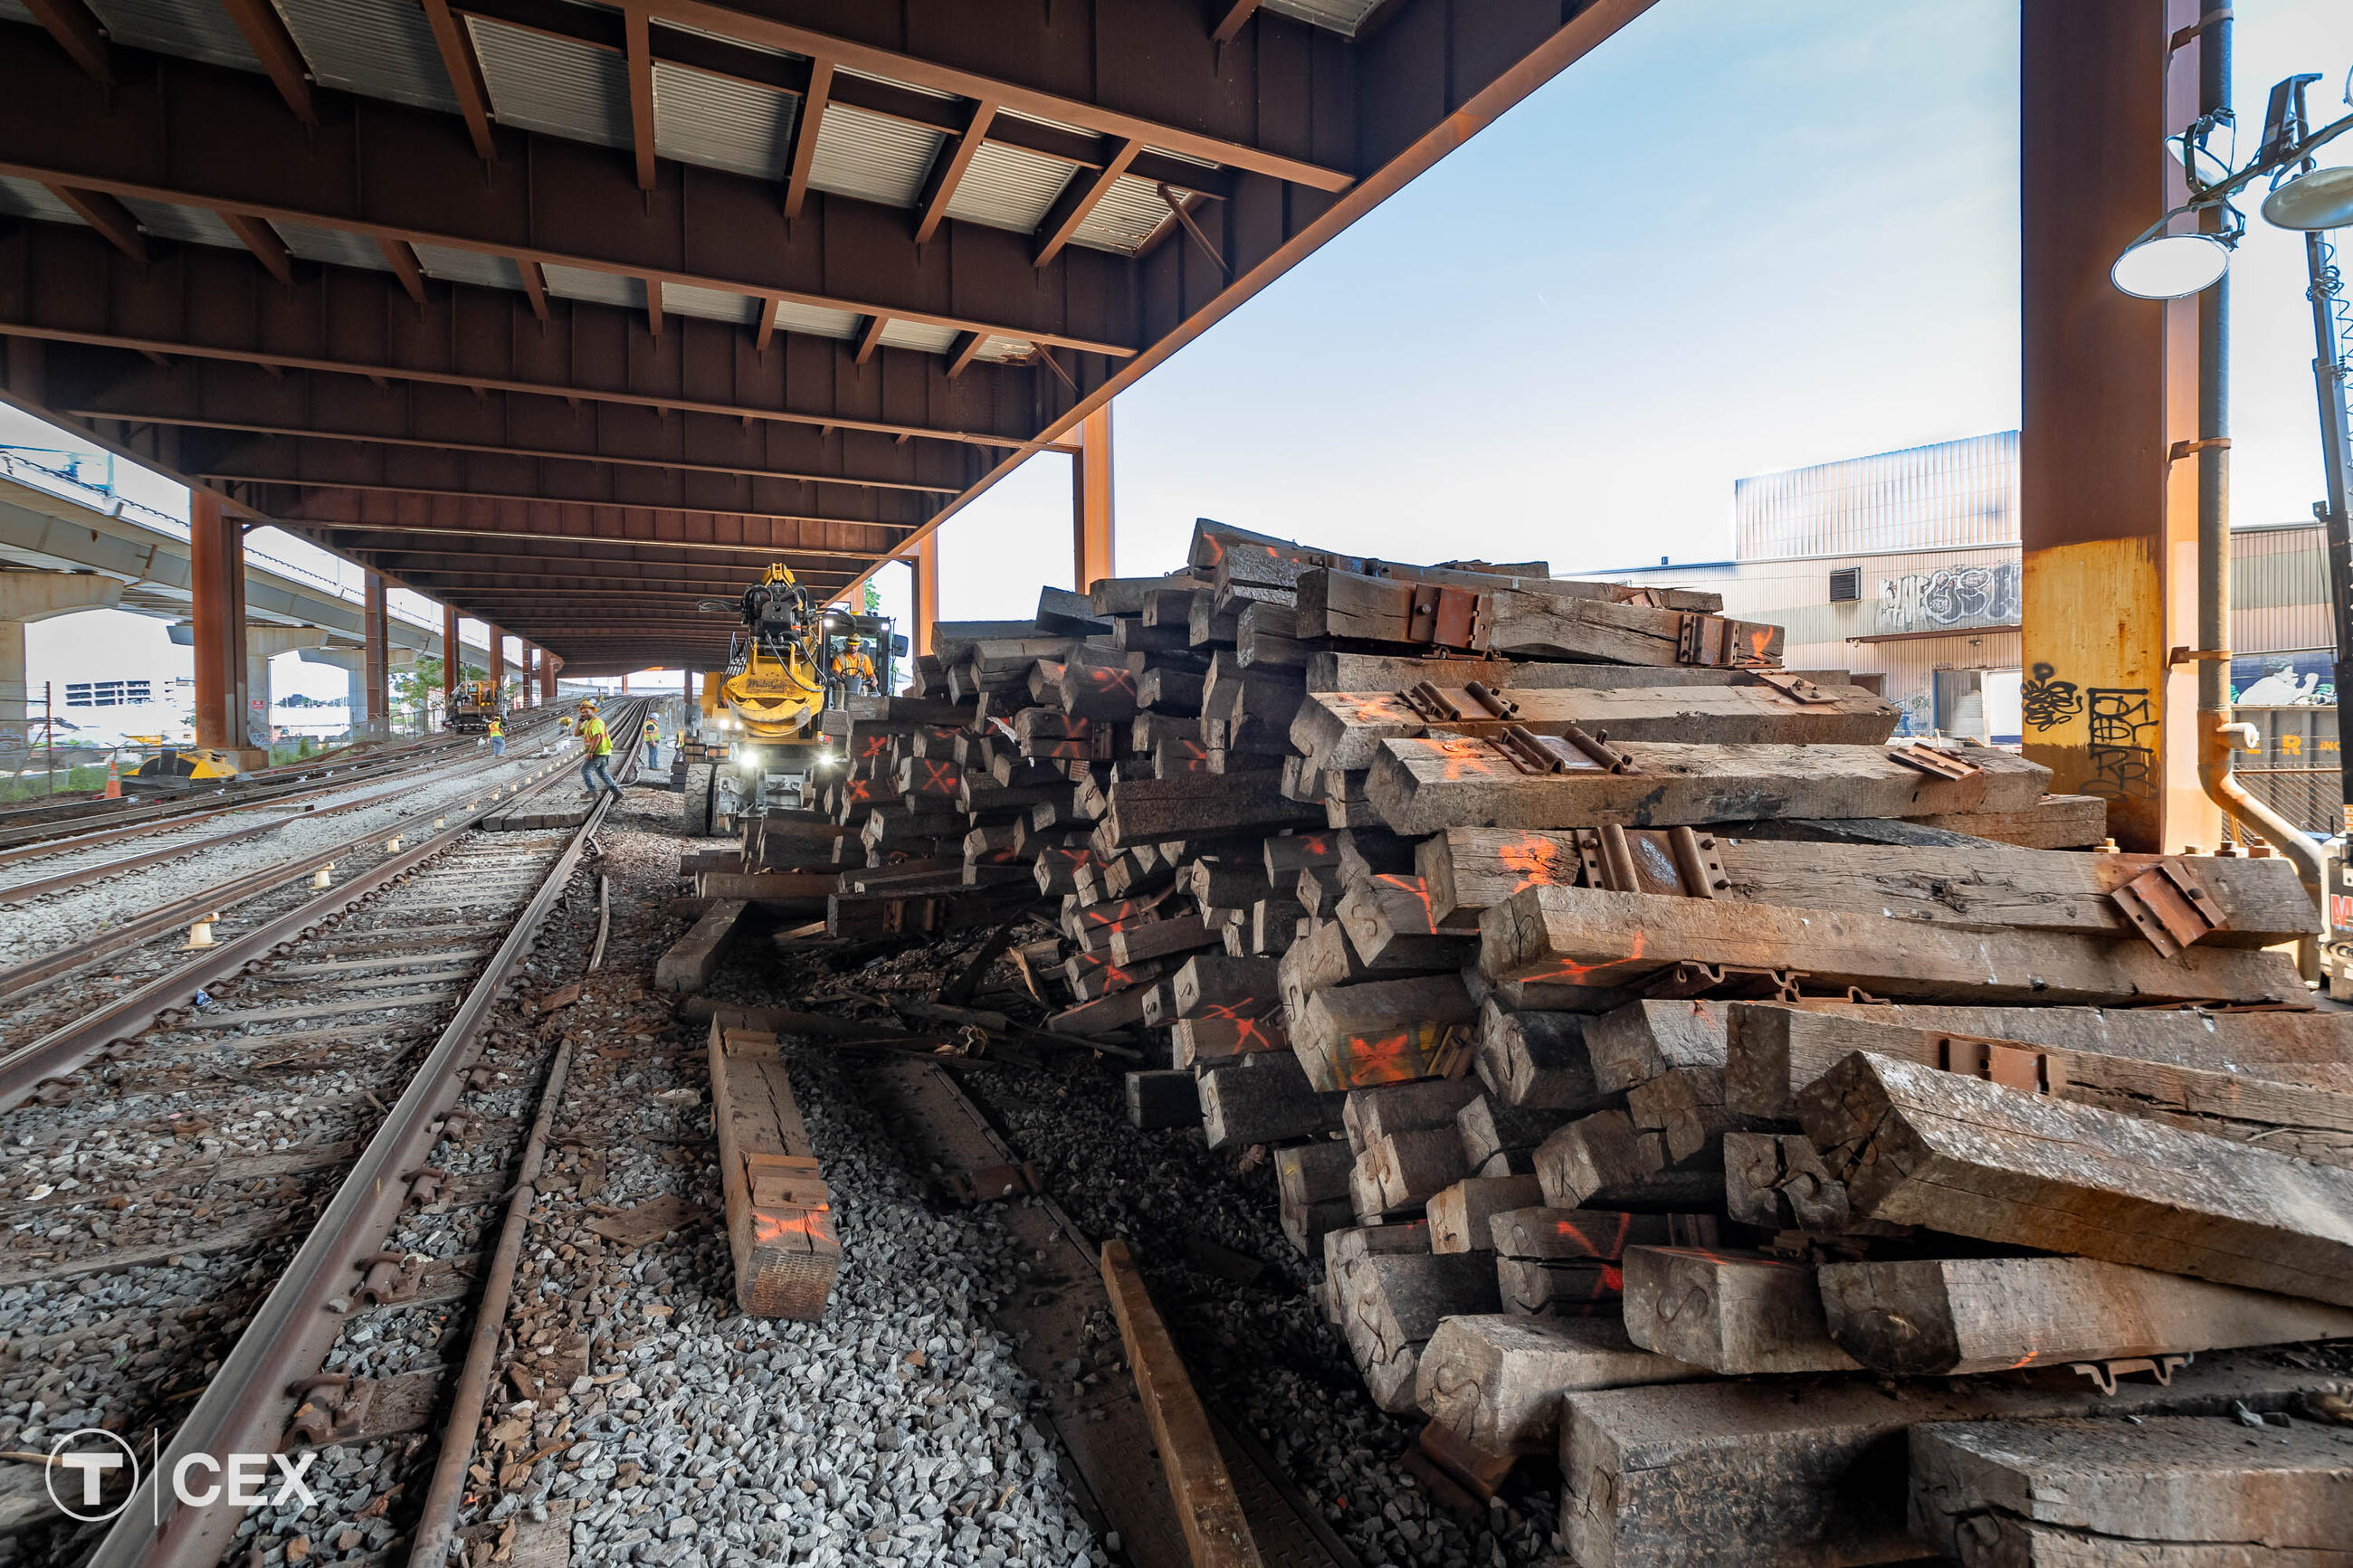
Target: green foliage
[(871, 603), (410, 687)]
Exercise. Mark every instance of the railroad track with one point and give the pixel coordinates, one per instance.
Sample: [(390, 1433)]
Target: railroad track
[(83, 823), (55, 844), (46, 988), (197, 1225)]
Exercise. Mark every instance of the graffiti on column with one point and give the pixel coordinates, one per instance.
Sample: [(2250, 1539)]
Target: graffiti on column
[(2123, 768), (2046, 701), (1953, 597)]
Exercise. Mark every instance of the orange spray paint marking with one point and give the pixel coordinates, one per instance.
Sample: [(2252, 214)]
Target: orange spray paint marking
[(1419, 890), (1539, 862)]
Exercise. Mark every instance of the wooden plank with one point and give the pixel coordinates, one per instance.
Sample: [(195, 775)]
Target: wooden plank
[(1585, 936), (1604, 1161), (2187, 1491), (2306, 1046), (766, 885), (1732, 1312), (1428, 785), (1521, 624), (1382, 1031), (779, 1217), (1207, 1509), (2259, 901), (1341, 730), (1262, 1099), (1458, 1214), (2054, 822), (1146, 811), (1791, 1471), (1393, 1303), (1330, 670), (1160, 939), (1369, 1115), (1393, 928), (695, 957), (1162, 1098), (1536, 1061), (1495, 1380), (1776, 1181), (2308, 1114), (1947, 1317), (1917, 1146)]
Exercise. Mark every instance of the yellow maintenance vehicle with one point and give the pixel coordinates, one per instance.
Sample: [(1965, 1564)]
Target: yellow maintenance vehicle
[(768, 709), (472, 706)]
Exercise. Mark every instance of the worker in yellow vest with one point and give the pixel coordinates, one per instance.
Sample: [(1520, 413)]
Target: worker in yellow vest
[(653, 743), (853, 668), (497, 733), (596, 749)]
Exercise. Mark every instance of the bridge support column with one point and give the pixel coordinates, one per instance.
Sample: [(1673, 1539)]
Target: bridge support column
[(26, 597), (548, 665), (217, 584), (452, 657), (1091, 520), (378, 665), (498, 660), (923, 597), (2109, 523)]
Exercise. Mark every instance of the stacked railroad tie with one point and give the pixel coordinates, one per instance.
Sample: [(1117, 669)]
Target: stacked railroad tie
[(1626, 1013)]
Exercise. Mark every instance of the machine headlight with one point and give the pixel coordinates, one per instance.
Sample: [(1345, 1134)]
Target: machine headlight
[(751, 757)]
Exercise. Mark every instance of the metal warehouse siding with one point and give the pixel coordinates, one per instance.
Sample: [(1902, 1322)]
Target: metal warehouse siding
[(1954, 494), (2279, 589)]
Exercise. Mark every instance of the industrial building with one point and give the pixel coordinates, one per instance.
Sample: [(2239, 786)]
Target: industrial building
[(1841, 1054)]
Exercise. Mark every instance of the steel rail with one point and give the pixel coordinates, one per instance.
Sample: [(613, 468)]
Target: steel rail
[(23, 829), (72, 1046), (225, 895), (20, 891), (438, 1523), (246, 1407)]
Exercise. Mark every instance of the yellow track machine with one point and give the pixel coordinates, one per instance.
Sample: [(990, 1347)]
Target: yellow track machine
[(781, 678)]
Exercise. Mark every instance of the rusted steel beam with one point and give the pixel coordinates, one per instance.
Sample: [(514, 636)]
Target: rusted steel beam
[(815, 96), (639, 48), (76, 31), (274, 46), (458, 552), (2110, 381), (465, 77), (109, 217), (1434, 74), (275, 459), (1227, 16), (817, 82), (1078, 199), (948, 166), (68, 286), (402, 259), (183, 133), (402, 431), (348, 508), (1105, 81), (262, 241)]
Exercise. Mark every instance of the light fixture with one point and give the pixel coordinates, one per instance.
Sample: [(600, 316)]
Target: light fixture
[(2322, 199), (2171, 266)]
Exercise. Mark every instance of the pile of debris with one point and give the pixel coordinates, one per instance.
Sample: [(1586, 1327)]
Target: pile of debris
[(1626, 1014)]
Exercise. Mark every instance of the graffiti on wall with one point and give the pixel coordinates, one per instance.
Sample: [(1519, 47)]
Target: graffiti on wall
[(2123, 767), (2046, 701), (1950, 597)]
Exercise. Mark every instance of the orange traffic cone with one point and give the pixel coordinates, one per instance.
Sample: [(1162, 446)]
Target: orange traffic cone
[(113, 781)]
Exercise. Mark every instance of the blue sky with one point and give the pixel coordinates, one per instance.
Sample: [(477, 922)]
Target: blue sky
[(1736, 239)]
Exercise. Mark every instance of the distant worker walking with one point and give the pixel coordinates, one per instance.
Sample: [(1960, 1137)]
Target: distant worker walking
[(653, 745), (498, 732), (596, 749), (854, 669)]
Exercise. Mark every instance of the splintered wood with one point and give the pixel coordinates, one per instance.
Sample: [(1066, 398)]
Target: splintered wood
[(1624, 1015), (779, 1220)]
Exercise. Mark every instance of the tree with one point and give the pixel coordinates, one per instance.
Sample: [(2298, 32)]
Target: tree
[(873, 603), (411, 686)]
